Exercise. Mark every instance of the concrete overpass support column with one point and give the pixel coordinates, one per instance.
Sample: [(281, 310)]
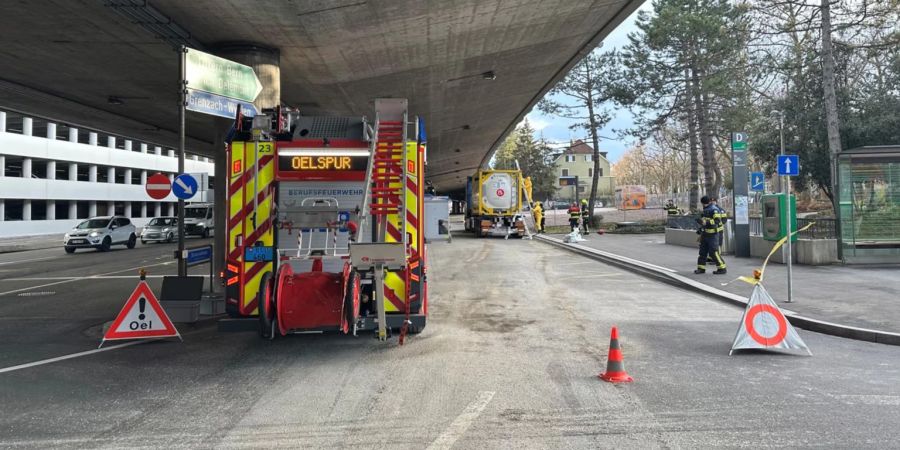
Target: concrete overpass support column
[(92, 208), (26, 167), (51, 170), (73, 136), (73, 209), (27, 126), (92, 138), (92, 174), (267, 64), (26, 210), (51, 209), (143, 148), (51, 131), (2, 130), (73, 172)]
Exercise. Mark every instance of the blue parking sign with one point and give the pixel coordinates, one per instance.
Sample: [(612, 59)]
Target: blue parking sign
[(789, 165)]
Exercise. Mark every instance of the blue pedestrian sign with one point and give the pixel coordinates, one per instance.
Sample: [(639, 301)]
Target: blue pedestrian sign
[(789, 165), (184, 186), (757, 181)]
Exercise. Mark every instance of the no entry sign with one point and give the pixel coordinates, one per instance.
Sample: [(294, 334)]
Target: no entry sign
[(158, 186)]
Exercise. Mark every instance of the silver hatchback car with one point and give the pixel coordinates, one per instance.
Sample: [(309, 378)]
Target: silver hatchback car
[(160, 229)]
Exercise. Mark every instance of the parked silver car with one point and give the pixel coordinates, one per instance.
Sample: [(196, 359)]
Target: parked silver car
[(160, 229), (101, 233)]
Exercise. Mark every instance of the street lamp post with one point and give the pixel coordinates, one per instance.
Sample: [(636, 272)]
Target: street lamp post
[(787, 199)]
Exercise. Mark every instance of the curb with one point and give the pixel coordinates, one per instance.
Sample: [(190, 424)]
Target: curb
[(669, 276)]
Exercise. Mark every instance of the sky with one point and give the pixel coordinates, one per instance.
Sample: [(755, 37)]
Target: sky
[(556, 129)]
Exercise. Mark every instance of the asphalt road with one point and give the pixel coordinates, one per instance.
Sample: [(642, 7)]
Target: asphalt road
[(517, 334)]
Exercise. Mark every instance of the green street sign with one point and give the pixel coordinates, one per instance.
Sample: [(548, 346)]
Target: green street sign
[(220, 76), (739, 141)]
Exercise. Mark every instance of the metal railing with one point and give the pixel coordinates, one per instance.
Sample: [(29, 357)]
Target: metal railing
[(823, 228)]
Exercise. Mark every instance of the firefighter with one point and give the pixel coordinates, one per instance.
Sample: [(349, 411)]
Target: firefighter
[(585, 215), (538, 213), (574, 216), (721, 218), (709, 239), (671, 209)]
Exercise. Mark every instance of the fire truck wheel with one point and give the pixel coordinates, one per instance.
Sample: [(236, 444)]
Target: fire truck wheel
[(351, 300), (265, 301)]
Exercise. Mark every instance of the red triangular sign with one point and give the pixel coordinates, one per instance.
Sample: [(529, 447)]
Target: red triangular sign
[(141, 317)]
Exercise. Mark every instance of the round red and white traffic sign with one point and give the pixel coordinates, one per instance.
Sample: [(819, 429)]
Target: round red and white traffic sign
[(158, 186)]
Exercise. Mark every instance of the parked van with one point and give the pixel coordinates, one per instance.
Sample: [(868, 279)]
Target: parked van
[(199, 220)]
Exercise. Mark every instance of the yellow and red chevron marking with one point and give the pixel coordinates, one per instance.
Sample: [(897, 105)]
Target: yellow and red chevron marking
[(395, 282), (244, 229)]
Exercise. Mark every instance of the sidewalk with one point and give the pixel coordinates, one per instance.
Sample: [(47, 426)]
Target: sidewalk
[(852, 296), (23, 243)]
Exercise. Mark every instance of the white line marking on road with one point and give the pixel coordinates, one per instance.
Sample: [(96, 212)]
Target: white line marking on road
[(27, 260), (82, 278), (73, 355), (462, 423), (95, 277)]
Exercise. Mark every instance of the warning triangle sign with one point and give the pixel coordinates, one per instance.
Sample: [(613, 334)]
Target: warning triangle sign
[(141, 317), (764, 326)]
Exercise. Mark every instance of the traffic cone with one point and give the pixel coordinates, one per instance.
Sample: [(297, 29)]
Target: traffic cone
[(615, 366)]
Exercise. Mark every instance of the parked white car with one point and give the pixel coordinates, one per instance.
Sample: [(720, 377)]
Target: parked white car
[(160, 229), (101, 233)]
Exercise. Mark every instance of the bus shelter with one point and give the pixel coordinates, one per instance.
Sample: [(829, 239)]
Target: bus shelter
[(869, 199)]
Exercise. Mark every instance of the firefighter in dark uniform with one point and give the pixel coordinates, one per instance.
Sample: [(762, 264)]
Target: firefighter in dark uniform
[(671, 209), (709, 239), (585, 215), (721, 218), (574, 215)]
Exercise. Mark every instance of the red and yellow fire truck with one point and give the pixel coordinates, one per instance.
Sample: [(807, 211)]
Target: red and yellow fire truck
[(324, 223)]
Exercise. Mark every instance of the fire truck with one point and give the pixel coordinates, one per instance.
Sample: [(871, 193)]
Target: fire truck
[(324, 223)]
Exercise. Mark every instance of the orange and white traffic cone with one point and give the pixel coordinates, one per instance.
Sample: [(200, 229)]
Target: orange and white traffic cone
[(615, 366)]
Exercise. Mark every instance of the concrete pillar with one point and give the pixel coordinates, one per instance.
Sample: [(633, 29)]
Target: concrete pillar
[(171, 178), (2, 209), (73, 136), (92, 138), (143, 209), (127, 209), (27, 126), (51, 209), (265, 61), (2, 130), (110, 174), (128, 146), (110, 208), (111, 141), (92, 208), (73, 209), (26, 167), (171, 153), (51, 131), (171, 209), (92, 175), (51, 170), (26, 210), (2, 166), (195, 157), (127, 176), (143, 177), (157, 209), (143, 147), (73, 172), (157, 150)]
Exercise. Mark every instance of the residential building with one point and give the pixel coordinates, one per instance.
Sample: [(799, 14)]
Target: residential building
[(577, 161), (53, 175)]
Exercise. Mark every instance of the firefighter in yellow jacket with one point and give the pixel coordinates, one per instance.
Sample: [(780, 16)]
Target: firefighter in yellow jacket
[(538, 213)]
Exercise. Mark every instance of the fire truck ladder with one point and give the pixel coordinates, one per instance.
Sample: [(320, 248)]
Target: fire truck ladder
[(386, 182)]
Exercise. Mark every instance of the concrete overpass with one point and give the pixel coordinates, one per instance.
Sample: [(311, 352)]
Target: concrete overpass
[(111, 64)]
